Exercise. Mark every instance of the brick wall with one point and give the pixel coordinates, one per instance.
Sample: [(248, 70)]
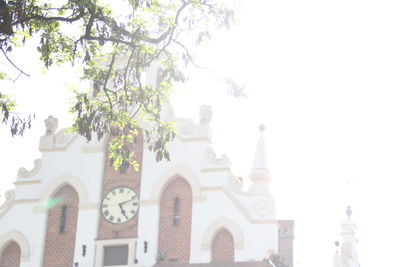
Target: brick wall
[(11, 255), (223, 248), (174, 240), (113, 179), (59, 247)]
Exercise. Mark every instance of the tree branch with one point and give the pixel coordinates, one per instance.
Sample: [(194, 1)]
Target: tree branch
[(106, 80), (170, 30), (12, 63), (42, 17)]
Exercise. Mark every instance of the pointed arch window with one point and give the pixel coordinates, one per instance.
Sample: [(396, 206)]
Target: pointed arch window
[(223, 247), (177, 203), (11, 255), (63, 218), (175, 221)]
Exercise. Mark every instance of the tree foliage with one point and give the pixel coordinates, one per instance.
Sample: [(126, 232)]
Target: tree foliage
[(15, 121), (115, 50)]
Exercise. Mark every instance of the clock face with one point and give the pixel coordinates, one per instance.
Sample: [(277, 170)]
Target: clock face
[(120, 205)]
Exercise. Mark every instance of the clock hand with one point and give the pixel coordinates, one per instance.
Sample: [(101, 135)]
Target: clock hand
[(122, 210), (122, 203)]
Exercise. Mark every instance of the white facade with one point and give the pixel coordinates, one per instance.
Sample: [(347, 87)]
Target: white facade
[(219, 200)]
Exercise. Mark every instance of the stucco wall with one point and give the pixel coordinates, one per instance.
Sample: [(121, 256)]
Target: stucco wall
[(73, 165), (217, 199)]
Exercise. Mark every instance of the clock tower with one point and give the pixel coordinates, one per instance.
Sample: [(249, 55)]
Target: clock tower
[(118, 222)]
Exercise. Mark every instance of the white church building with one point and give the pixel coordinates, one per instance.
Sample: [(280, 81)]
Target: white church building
[(74, 209)]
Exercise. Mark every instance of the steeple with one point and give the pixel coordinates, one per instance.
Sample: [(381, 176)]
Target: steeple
[(348, 228), (348, 256), (259, 175), (260, 158)]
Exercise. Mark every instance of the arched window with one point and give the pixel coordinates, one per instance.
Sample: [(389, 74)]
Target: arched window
[(62, 218), (175, 221), (11, 255), (176, 211), (223, 248)]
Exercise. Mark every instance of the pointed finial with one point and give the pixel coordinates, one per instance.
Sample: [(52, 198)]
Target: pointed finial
[(259, 173), (349, 212), (260, 159)]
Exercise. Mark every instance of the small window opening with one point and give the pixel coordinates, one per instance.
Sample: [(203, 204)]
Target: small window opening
[(116, 255), (83, 250), (176, 211), (124, 167), (63, 218)]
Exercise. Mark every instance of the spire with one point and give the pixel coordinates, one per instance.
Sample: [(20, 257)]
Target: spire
[(349, 212), (348, 227), (349, 246), (260, 158), (259, 175)]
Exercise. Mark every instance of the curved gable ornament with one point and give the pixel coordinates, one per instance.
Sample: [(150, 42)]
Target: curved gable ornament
[(215, 227), (20, 239), (211, 157), (264, 207), (187, 127), (24, 173), (63, 138), (10, 197), (169, 175)]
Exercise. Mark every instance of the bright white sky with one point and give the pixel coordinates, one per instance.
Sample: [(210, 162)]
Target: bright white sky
[(323, 76)]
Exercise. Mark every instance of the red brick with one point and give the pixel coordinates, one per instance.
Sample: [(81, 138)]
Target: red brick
[(113, 179), (59, 247), (11, 255), (174, 240), (223, 248)]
